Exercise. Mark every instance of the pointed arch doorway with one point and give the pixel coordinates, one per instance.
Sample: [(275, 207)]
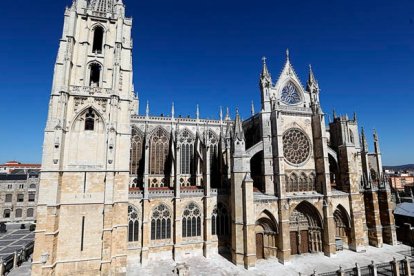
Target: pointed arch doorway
[(266, 237), (305, 230)]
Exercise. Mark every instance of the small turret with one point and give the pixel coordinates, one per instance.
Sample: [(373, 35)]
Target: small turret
[(265, 85), (238, 128), (265, 77), (312, 85)]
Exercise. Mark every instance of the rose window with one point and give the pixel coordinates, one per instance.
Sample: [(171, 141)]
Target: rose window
[(296, 146), (290, 94)]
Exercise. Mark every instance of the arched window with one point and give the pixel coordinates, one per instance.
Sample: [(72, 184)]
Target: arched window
[(191, 221), (161, 223), (98, 40), (159, 148), (294, 183), (186, 141), (133, 224), (214, 159), (19, 213), (312, 182), (220, 222), (137, 141), (90, 120), (30, 212), (95, 74), (6, 213)]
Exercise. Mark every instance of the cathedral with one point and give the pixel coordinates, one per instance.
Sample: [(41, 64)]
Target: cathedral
[(120, 189)]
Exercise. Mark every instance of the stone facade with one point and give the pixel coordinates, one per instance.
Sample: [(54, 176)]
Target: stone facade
[(119, 189), (18, 197)]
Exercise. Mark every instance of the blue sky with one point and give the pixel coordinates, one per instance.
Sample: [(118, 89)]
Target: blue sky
[(209, 53)]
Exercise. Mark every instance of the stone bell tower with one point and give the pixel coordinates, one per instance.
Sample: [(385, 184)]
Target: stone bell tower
[(83, 197)]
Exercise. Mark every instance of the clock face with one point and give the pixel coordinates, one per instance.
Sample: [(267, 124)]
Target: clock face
[(290, 95)]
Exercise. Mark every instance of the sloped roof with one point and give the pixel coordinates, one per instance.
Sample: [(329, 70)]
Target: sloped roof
[(405, 209)]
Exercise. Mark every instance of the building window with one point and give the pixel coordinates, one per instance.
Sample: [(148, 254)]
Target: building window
[(9, 198), (136, 152), (214, 159), (161, 223), (21, 186), (220, 223), (32, 197), (95, 74), (191, 221), (133, 224), (20, 197), (30, 212), (351, 137), (19, 213), (186, 141), (98, 40), (10, 186), (6, 213), (90, 120), (159, 149), (32, 186)]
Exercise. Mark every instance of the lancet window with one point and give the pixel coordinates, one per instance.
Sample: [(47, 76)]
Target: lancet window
[(186, 141), (191, 221), (161, 223), (136, 156), (90, 120), (133, 224), (95, 75), (98, 40), (159, 148), (220, 225), (300, 183), (214, 158)]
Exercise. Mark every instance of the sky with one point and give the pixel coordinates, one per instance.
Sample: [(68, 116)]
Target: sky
[(209, 53)]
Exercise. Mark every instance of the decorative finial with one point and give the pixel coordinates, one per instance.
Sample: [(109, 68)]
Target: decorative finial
[(355, 117), (227, 114), (221, 113), (264, 60), (334, 114), (287, 54), (198, 112), (375, 135), (172, 110), (147, 109), (252, 109)]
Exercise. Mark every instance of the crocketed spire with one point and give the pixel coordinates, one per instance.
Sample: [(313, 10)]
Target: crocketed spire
[(238, 128)]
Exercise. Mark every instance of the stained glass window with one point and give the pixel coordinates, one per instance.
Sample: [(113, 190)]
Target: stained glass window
[(296, 146), (191, 221), (161, 223), (290, 94)]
